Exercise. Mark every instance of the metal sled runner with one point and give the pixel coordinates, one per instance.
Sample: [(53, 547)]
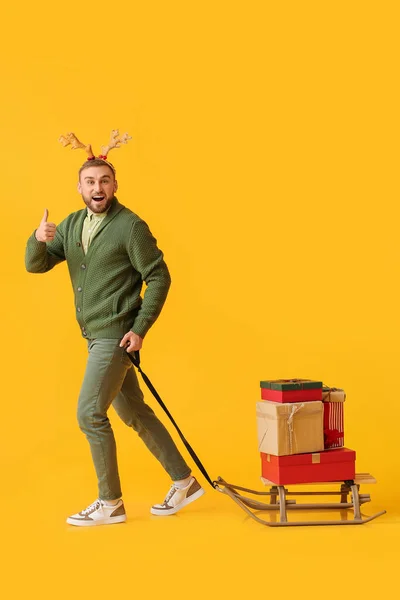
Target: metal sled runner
[(278, 494), (280, 503)]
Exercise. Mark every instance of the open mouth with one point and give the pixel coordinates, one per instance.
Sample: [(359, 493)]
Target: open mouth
[(98, 198)]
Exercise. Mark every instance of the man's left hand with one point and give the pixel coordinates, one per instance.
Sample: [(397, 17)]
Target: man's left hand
[(131, 341)]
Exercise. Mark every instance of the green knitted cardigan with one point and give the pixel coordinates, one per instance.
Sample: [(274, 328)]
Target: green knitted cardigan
[(108, 280)]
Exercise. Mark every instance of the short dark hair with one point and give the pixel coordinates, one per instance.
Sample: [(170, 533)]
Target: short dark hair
[(97, 162)]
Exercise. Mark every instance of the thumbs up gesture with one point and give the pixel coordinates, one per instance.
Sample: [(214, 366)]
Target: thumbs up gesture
[(46, 231)]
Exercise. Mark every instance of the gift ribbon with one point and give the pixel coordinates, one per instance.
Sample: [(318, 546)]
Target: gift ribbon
[(294, 409), (332, 436)]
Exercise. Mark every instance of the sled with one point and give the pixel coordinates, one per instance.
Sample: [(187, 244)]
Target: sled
[(280, 504)]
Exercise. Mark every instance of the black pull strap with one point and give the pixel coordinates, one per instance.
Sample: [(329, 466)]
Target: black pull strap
[(135, 358)]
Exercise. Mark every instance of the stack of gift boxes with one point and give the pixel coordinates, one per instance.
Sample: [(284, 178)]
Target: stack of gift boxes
[(300, 428)]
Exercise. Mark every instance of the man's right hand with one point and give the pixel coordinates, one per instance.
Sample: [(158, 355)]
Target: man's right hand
[(46, 231)]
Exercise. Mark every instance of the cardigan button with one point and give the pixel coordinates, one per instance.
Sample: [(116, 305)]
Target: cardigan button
[(78, 244), (83, 266), (79, 289), (79, 309)]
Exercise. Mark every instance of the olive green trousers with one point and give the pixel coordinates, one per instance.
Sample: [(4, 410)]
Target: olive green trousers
[(110, 378)]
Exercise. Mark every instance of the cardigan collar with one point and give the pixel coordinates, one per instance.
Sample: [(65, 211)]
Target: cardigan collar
[(112, 212)]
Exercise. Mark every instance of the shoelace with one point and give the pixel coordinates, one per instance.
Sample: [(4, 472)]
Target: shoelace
[(171, 492), (91, 508)]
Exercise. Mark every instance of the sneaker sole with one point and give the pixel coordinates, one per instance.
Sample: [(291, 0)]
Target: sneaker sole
[(86, 523), (171, 511)]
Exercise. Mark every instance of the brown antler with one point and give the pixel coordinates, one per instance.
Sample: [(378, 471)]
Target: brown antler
[(70, 138), (115, 142)]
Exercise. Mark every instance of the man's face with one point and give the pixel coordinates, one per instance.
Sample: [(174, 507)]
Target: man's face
[(97, 186)]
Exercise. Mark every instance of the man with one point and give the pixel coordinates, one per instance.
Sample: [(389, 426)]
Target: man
[(110, 251)]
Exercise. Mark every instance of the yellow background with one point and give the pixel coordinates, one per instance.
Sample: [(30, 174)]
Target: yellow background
[(265, 159)]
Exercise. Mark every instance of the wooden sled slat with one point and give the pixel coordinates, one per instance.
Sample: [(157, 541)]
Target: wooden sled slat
[(360, 478)]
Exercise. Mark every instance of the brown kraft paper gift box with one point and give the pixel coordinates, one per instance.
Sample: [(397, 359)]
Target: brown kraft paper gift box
[(290, 428)]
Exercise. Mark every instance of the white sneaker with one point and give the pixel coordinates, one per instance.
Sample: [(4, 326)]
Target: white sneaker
[(178, 498), (99, 513)]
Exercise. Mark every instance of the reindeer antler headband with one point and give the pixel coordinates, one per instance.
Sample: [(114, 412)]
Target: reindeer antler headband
[(115, 142)]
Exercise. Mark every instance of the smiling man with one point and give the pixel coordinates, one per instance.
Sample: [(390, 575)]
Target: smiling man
[(110, 252), (97, 186)]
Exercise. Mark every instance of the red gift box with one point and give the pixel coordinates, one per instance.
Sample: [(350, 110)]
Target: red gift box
[(333, 425), (291, 390), (333, 399), (331, 465), (291, 395)]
